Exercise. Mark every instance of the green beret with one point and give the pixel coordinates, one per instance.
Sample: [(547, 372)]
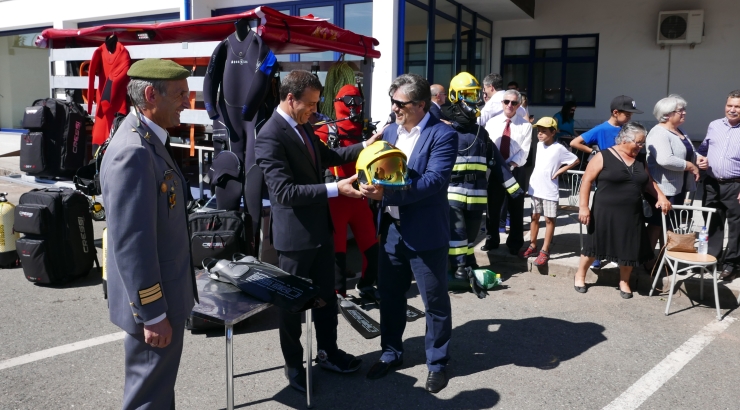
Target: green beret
[(156, 69)]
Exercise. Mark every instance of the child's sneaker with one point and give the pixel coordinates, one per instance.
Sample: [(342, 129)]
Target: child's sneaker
[(527, 252), (542, 258)]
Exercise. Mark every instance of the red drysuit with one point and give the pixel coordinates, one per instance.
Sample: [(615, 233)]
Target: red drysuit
[(350, 211), (111, 69)]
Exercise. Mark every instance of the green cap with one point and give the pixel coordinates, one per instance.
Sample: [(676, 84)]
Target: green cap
[(156, 69)]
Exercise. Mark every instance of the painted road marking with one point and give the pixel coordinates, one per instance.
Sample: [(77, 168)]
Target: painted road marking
[(56, 351), (648, 384)]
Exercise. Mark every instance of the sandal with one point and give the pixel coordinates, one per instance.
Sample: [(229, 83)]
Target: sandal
[(542, 258), (529, 251)]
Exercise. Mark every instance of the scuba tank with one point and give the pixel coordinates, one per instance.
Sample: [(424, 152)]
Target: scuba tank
[(8, 236)]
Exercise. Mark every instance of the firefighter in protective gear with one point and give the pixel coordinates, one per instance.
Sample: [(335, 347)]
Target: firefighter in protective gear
[(356, 213), (468, 186)]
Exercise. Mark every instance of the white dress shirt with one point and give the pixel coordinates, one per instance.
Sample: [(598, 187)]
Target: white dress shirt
[(406, 142), (331, 188), (521, 136), (494, 107)]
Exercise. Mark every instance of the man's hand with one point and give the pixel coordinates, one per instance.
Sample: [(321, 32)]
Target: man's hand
[(372, 191), (345, 187), (702, 162), (376, 137), (693, 169), (158, 334), (513, 165)]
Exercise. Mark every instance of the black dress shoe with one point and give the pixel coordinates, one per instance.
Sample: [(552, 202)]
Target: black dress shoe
[(296, 377), (381, 368), (436, 381), (727, 276), (489, 246)]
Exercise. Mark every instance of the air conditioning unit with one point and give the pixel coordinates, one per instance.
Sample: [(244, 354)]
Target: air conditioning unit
[(680, 27)]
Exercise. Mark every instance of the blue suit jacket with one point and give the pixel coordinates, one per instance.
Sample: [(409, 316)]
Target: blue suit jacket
[(424, 208)]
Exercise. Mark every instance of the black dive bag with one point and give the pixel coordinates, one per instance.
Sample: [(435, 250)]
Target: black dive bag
[(219, 235), (265, 282), (57, 142), (58, 243)]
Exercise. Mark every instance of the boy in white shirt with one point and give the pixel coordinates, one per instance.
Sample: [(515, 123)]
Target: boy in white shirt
[(552, 161)]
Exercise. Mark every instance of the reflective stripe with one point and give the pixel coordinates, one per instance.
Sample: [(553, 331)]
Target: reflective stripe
[(463, 159), (469, 167), (466, 199), (471, 251), (457, 244), (512, 188), (467, 191), (458, 251), (510, 181)]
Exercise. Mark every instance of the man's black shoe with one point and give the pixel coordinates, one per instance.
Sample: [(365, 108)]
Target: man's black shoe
[(489, 246), (727, 276), (381, 368), (296, 377), (340, 361), (436, 381), (461, 273)]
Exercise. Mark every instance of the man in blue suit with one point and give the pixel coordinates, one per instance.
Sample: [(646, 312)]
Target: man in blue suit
[(415, 231)]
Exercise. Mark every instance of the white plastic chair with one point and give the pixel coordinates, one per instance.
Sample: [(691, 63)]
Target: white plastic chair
[(572, 180), (682, 222)]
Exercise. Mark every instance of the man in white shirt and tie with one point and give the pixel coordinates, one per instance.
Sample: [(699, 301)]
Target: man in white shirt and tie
[(493, 93), (512, 134)]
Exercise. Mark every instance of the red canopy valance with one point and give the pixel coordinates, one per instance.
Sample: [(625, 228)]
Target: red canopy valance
[(283, 34)]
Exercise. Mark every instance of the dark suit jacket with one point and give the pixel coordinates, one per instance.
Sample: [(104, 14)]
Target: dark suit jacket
[(298, 197), (423, 207), (149, 267), (435, 111)]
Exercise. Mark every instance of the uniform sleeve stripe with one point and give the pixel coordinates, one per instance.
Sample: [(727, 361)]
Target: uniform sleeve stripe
[(149, 291), (153, 298)]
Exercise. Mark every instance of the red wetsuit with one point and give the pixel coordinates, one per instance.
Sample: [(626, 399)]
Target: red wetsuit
[(111, 69), (344, 210)]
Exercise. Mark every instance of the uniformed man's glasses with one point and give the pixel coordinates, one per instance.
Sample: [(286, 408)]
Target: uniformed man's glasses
[(351, 100), (401, 104)]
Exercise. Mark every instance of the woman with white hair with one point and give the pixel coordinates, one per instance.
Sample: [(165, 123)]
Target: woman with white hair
[(616, 225), (671, 159)]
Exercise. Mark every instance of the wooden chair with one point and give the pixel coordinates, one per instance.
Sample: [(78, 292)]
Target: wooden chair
[(682, 222)]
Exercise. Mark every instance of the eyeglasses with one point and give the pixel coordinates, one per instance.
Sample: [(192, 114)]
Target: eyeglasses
[(639, 144), (401, 104), (681, 111), (512, 102), (351, 100)]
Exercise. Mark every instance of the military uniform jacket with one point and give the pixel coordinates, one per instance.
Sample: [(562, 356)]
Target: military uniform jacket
[(468, 185), (148, 265)]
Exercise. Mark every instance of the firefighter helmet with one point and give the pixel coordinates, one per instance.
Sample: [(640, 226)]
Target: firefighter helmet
[(383, 164)]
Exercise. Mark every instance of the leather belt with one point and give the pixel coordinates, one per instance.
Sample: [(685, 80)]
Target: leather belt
[(727, 180)]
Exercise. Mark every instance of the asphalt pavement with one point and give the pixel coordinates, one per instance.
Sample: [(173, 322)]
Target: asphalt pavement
[(533, 343)]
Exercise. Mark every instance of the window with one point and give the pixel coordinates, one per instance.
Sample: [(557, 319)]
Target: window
[(358, 17), (326, 12), (554, 69), (415, 30)]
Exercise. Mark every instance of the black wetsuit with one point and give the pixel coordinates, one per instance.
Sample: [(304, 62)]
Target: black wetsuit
[(243, 71)]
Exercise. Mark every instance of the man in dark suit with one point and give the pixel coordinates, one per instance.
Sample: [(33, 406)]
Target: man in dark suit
[(292, 160), (151, 286), (415, 230), (438, 100)]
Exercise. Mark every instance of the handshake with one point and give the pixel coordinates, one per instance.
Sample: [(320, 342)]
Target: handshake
[(350, 188)]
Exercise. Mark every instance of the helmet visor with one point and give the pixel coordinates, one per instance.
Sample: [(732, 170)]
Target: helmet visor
[(470, 96), (389, 171)]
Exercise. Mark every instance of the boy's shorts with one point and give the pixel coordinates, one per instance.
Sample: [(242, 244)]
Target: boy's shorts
[(544, 207)]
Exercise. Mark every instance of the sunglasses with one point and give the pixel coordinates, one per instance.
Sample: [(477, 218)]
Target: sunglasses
[(507, 102), (401, 104), (351, 100)]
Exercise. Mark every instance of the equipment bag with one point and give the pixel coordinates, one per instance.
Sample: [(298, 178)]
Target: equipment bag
[(32, 158), (87, 178), (219, 234), (266, 283), (58, 243), (63, 125), (8, 238)]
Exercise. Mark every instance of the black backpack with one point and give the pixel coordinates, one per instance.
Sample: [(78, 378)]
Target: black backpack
[(58, 243), (87, 178), (219, 234), (57, 142)]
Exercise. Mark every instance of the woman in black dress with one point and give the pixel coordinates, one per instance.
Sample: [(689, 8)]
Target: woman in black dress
[(616, 225)]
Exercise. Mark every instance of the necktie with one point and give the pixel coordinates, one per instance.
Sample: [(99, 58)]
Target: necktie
[(307, 141), (506, 140)]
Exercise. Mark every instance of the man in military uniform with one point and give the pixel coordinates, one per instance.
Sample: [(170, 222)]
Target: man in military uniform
[(151, 286)]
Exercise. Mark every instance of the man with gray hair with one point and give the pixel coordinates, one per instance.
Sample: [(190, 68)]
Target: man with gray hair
[(414, 228), (719, 155), (151, 284), (438, 99), (493, 93), (512, 134)]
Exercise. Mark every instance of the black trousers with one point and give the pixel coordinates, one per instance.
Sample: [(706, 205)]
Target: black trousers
[(515, 206), (723, 197), (318, 265)]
